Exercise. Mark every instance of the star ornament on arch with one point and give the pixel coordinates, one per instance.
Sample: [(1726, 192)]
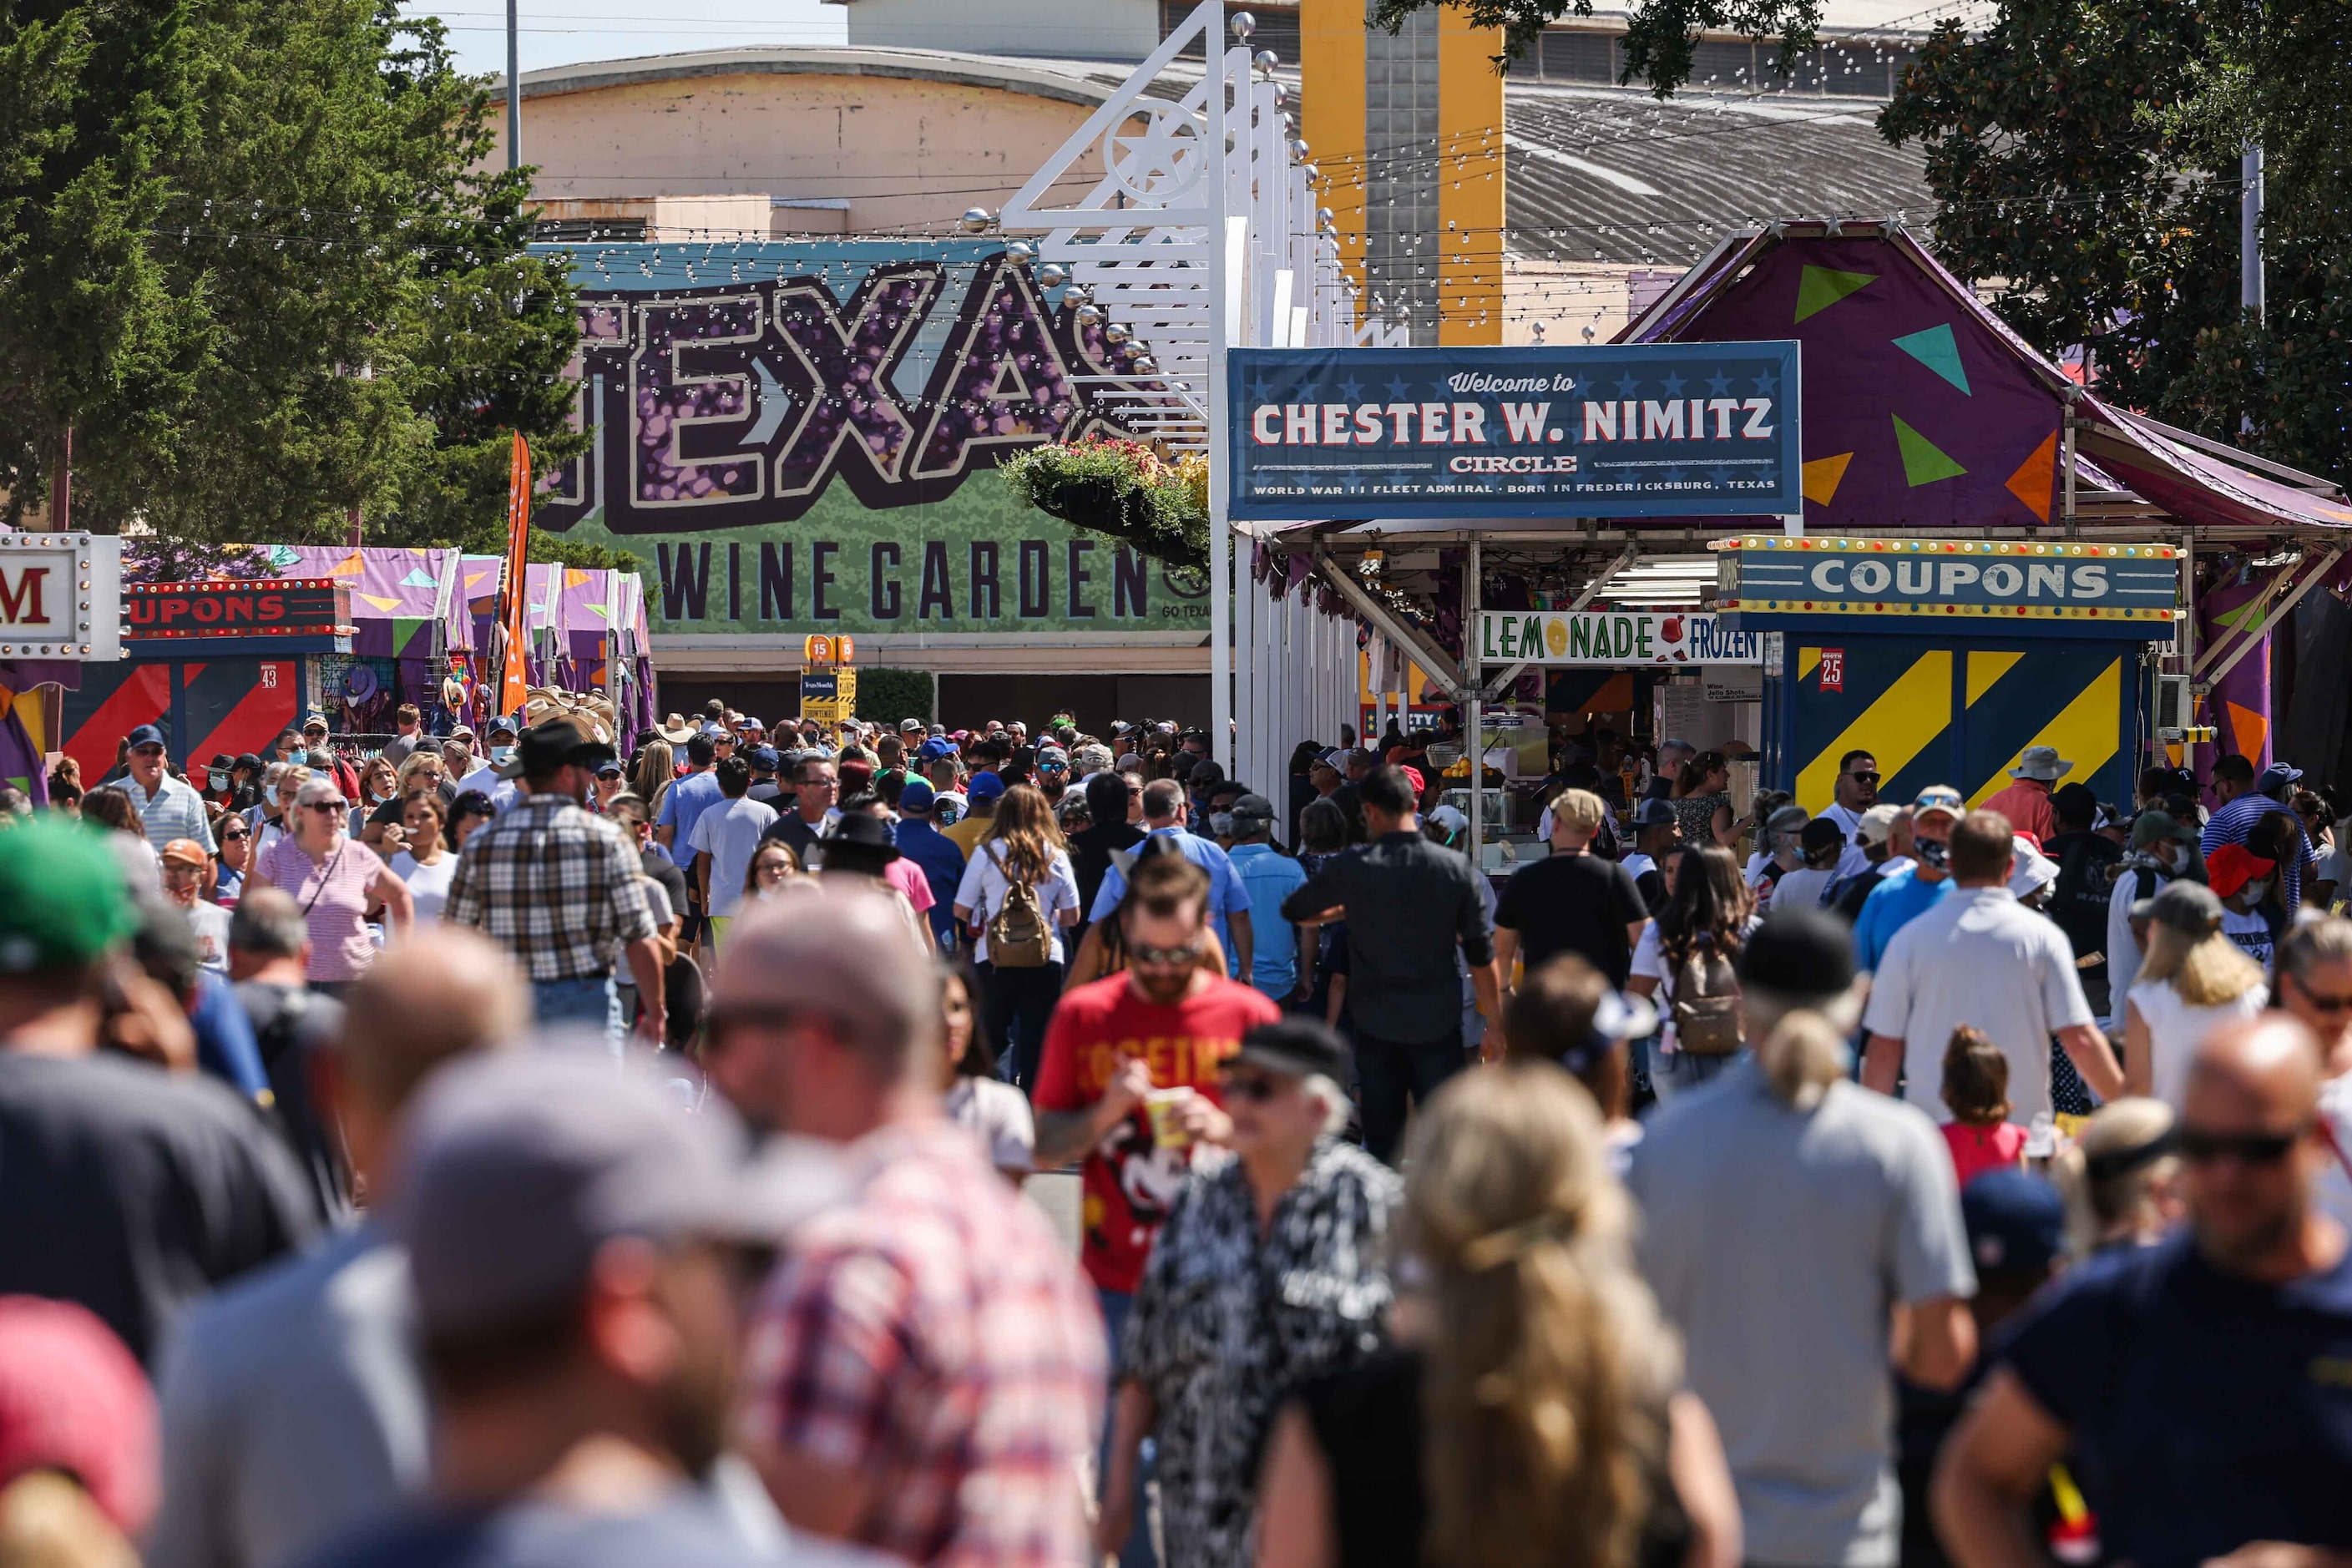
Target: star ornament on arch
[(1163, 159)]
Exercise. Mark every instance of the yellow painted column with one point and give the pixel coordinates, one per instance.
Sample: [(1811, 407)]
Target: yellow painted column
[(1469, 181), (1331, 114)]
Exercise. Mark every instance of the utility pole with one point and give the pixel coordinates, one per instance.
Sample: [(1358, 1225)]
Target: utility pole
[(2250, 231), (514, 90)]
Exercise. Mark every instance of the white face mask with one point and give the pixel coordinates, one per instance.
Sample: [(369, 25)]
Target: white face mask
[(502, 754), (219, 780), (2252, 893)]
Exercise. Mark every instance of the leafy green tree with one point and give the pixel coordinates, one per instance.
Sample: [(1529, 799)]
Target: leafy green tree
[(352, 319)]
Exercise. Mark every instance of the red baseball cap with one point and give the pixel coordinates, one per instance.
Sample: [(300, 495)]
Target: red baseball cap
[(72, 1399), (2232, 867)]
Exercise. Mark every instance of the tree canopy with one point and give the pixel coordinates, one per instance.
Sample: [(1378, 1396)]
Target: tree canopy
[(249, 254)]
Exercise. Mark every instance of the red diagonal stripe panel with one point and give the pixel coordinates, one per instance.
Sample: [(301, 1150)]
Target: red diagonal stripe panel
[(143, 697), (257, 718)]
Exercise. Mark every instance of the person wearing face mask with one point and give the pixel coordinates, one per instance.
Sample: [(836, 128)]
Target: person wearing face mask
[(219, 782), (1911, 893), (2162, 847), (502, 754), (2240, 880)]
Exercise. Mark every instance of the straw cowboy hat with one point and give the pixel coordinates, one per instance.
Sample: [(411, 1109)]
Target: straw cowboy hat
[(674, 729), (2041, 763)]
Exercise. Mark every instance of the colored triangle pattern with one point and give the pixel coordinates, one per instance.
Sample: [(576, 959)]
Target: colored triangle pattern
[(1822, 476), (380, 602), (1924, 462), (574, 577), (2248, 729), (1818, 288), (351, 566), (1940, 351), (404, 629), (420, 578), (2034, 478)]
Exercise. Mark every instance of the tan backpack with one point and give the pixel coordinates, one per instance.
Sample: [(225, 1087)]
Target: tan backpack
[(1706, 1008), (1019, 934)]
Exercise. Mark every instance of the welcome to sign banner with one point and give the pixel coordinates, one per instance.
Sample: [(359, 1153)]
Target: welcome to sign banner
[(1613, 638), (1627, 430)]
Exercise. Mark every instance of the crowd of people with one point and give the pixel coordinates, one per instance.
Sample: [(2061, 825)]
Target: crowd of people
[(502, 1149)]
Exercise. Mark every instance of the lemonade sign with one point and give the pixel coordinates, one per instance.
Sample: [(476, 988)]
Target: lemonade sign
[(1613, 638)]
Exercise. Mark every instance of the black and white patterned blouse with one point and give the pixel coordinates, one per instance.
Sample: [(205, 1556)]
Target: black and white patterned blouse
[(1225, 1322)]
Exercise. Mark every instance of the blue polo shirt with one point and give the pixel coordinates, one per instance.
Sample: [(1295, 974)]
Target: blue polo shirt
[(2214, 1410), (942, 866), (1227, 897), (1269, 877), (687, 799), (1891, 905)]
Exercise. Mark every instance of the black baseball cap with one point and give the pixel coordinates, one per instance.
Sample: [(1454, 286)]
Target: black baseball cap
[(1295, 1047), (1799, 952)]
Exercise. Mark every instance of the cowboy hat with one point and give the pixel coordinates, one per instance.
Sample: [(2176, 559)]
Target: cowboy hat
[(674, 729)]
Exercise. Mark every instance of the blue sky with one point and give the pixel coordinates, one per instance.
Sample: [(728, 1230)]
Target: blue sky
[(561, 32)]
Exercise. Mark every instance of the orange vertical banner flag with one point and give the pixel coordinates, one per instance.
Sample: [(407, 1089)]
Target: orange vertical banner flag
[(514, 616)]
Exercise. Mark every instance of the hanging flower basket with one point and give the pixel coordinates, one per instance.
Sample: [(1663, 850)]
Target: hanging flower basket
[(1125, 490)]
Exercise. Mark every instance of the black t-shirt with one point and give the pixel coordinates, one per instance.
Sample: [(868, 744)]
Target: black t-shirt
[(663, 869), (1367, 1419), (687, 1532), (1574, 903), (2219, 1410), (1090, 852), (792, 830), (134, 1191), (2078, 900)]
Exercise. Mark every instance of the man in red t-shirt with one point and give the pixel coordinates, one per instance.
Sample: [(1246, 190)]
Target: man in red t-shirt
[(1165, 1023)]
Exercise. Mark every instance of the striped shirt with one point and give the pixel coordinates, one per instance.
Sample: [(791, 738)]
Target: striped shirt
[(555, 885), (174, 811), (333, 896)]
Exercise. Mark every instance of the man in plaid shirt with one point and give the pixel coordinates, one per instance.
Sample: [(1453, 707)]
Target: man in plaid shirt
[(924, 1372), (560, 888)]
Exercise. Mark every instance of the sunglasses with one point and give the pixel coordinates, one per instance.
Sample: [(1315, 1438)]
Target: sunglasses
[(1254, 1088), (2318, 1003), (329, 806), (2201, 1148), (1168, 957), (1867, 775), (233, 838)]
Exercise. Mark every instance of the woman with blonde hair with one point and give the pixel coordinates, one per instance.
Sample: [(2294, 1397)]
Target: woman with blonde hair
[(1018, 895), (422, 770), (2193, 980), (657, 766), (2119, 1178), (1535, 1416)]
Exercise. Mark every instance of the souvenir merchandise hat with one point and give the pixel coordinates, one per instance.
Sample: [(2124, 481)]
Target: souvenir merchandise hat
[(1799, 952), (1652, 812), (63, 903), (1878, 824), (144, 735), (1941, 799), (2041, 763), (985, 786), (555, 744), (2192, 909), (917, 795), (183, 852), (2153, 825), (518, 1166), (1297, 1048), (2232, 865), (2015, 1222), (858, 842)]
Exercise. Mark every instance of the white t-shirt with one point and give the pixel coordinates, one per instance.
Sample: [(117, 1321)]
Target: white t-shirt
[(2175, 1030), (998, 1115), (730, 832), (1650, 961), (2123, 953), (1802, 888), (484, 778), (2334, 1193), (1978, 957), (428, 885), (985, 885), (211, 923), (2251, 933), (1851, 859)]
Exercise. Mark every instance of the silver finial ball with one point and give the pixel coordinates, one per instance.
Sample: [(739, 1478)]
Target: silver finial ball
[(1077, 294), (1298, 148), (1143, 364), (1053, 275), (978, 220), (1242, 25), (1314, 176), (1325, 216), (1087, 315), (1265, 60), (1116, 334), (1022, 251)]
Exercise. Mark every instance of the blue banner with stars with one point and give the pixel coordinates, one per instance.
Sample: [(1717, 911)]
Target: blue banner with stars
[(1632, 430)]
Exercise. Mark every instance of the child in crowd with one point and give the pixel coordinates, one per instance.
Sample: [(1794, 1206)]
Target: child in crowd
[(1976, 1092)]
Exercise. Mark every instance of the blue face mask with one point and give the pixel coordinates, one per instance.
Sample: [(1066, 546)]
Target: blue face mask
[(502, 754)]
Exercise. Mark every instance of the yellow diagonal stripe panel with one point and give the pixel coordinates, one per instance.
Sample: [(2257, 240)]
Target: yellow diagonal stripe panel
[(1896, 728), (1809, 660), (1984, 668), (2085, 732)]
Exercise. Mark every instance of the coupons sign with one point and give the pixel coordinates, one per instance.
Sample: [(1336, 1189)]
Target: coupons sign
[(1626, 430), (1613, 638)]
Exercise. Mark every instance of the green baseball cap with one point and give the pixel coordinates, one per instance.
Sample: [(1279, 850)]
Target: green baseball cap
[(63, 900)]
